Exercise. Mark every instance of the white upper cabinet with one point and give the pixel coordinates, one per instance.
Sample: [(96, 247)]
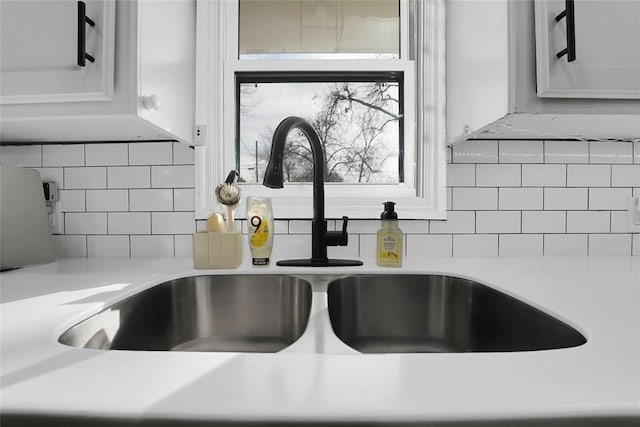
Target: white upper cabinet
[(40, 45), (602, 42), (136, 83), (498, 89)]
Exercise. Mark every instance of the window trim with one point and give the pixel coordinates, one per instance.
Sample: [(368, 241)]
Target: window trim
[(424, 197)]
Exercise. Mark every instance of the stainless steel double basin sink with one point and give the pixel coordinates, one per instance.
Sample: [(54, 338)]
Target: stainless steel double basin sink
[(369, 313)]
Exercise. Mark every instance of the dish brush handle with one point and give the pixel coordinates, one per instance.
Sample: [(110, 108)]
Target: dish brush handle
[(231, 224)]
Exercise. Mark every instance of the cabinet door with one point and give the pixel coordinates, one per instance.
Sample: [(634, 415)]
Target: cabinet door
[(39, 51), (607, 49)]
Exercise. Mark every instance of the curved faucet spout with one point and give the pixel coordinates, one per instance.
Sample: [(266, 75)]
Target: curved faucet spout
[(273, 178)]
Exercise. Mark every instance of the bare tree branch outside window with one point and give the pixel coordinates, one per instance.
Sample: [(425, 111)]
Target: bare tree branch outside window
[(357, 122)]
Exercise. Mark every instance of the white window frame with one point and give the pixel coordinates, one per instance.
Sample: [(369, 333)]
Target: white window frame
[(422, 195)]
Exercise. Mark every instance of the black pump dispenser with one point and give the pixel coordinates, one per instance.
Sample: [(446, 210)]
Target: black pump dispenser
[(389, 212)]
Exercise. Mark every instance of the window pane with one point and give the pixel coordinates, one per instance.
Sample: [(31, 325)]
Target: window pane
[(286, 29), (358, 122)]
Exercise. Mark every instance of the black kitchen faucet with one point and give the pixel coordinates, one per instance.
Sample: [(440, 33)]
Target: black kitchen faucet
[(273, 178)]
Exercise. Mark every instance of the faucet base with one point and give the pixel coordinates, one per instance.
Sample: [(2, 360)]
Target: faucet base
[(322, 263)]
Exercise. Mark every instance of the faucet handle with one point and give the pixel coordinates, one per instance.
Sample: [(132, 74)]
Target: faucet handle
[(338, 238), (345, 220)]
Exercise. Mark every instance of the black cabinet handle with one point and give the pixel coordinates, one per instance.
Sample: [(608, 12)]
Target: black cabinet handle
[(83, 19), (569, 14)]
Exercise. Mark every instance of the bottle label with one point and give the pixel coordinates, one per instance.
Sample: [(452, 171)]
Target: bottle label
[(260, 261), (260, 234), (390, 250)]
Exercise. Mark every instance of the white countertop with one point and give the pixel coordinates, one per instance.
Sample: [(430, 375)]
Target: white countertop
[(599, 296)]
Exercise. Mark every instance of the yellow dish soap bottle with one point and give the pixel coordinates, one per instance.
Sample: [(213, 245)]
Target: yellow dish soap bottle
[(260, 224), (390, 246)]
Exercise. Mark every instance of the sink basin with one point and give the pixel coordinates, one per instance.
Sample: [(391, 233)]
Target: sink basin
[(235, 313), (444, 314)]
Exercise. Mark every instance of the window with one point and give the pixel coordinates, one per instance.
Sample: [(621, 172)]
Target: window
[(348, 67), (358, 120)]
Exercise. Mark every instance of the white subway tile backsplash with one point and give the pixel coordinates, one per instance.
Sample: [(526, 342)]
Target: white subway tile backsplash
[(280, 227), (70, 245), (356, 226), (565, 198), (609, 244), (518, 151), (507, 198), (80, 178), (457, 222), (28, 156), (498, 221), (565, 244), (291, 246), (152, 153), (52, 174), (520, 245), (543, 222), (566, 152), (461, 175), (129, 222), (413, 226), (173, 223), (172, 176), (610, 152), (608, 198), (476, 152), (367, 245), (108, 246), (475, 245), (184, 199), (63, 155), (506, 175), (429, 245), (465, 198), (297, 226), (544, 175), (152, 200), (107, 200), (129, 177), (110, 154), (620, 222), (72, 200), (85, 223), (182, 154), (588, 222), (625, 175), (588, 175), (152, 246), (520, 198), (183, 244)]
